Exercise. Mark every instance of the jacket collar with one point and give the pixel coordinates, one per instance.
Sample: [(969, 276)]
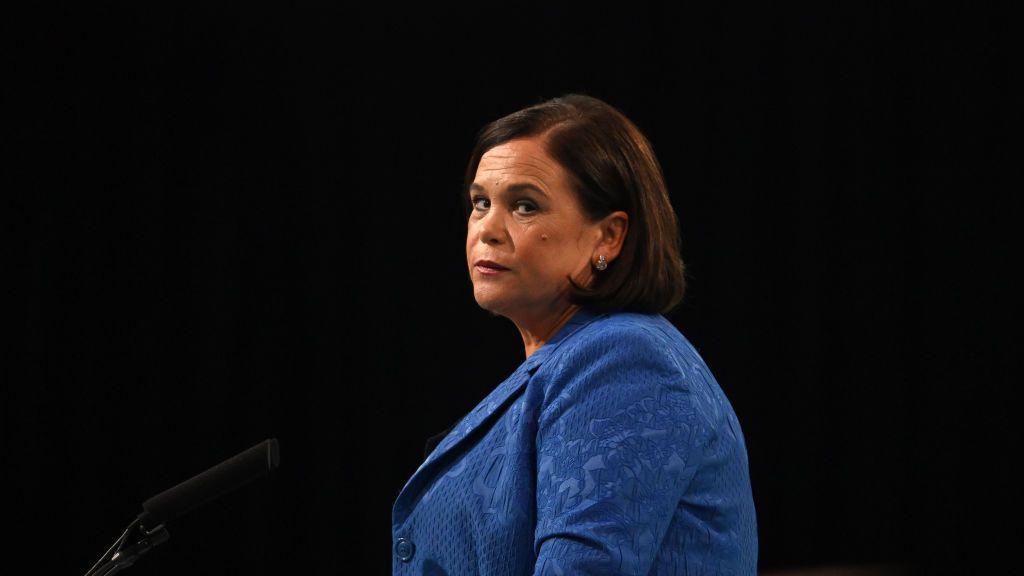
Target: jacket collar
[(580, 318), (494, 403)]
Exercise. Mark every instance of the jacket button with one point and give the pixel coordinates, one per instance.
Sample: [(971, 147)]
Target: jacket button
[(405, 549)]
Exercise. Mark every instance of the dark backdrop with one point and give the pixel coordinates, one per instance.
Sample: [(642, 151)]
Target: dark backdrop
[(231, 223)]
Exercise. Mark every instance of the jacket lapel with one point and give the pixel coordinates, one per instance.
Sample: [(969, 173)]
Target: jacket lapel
[(494, 404)]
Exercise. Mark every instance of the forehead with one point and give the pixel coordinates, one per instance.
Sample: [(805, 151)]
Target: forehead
[(521, 157)]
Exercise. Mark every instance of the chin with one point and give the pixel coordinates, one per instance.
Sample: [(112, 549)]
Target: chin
[(489, 305), (495, 306)]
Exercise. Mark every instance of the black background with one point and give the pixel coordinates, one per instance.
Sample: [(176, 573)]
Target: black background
[(230, 223)]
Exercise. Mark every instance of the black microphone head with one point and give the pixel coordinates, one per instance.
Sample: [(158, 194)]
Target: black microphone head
[(211, 484)]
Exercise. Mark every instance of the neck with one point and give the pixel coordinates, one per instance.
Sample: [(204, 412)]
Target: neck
[(536, 331)]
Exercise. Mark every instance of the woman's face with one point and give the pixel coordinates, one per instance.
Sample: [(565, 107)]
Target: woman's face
[(525, 218)]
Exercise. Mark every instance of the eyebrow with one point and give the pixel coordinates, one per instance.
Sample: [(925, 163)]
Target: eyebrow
[(511, 188)]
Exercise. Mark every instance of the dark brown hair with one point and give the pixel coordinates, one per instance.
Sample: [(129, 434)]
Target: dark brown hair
[(612, 167)]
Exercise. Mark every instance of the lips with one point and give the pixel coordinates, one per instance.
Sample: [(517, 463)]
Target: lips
[(490, 264)]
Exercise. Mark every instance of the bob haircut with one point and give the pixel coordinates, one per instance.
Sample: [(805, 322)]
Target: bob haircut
[(611, 166)]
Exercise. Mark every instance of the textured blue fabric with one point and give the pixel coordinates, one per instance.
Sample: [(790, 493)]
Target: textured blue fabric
[(610, 450)]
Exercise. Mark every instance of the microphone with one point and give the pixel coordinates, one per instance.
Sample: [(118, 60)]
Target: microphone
[(147, 530), (225, 477)]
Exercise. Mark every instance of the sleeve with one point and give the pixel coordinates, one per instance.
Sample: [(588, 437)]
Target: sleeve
[(615, 452)]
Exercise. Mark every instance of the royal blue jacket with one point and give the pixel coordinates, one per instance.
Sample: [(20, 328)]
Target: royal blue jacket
[(610, 450)]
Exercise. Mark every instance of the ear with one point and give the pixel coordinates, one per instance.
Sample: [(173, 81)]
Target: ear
[(613, 229)]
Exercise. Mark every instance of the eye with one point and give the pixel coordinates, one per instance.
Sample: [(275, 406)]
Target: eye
[(531, 207), (528, 204)]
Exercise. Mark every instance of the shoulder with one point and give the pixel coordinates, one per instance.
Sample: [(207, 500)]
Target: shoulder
[(619, 357), (620, 382), (637, 340)]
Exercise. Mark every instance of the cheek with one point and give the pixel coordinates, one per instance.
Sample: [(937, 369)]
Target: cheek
[(543, 251)]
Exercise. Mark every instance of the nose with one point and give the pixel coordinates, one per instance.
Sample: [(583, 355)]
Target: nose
[(491, 228)]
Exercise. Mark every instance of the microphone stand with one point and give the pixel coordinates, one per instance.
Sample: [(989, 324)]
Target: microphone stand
[(138, 539)]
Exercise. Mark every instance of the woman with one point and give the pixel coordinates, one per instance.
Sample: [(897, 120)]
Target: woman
[(611, 449)]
